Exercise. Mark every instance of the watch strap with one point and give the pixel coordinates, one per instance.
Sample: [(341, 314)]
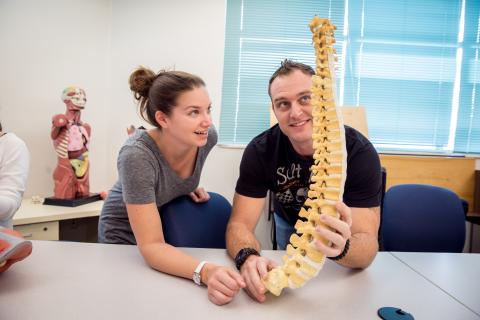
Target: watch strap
[(243, 255), (197, 278), (343, 253)]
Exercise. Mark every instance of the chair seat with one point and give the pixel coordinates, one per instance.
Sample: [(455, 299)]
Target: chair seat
[(197, 225)]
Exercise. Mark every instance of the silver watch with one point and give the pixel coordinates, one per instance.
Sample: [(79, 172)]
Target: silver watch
[(196, 274)]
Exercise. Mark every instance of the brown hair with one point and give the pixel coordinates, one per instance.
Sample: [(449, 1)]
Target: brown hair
[(159, 92), (288, 66)]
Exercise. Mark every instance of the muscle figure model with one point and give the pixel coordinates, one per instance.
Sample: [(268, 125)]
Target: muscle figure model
[(71, 139), (303, 261)]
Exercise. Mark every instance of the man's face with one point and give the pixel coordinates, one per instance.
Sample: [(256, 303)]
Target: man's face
[(291, 97)]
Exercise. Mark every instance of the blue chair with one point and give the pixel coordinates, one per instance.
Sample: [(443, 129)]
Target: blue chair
[(196, 225), (422, 218)]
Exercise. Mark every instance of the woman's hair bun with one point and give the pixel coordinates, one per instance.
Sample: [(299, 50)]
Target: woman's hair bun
[(140, 82)]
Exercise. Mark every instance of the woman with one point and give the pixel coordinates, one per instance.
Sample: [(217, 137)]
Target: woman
[(160, 164)]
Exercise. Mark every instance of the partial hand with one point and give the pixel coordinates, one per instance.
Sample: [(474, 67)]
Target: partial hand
[(223, 283), (199, 195), (21, 252), (130, 129), (337, 231), (253, 270)]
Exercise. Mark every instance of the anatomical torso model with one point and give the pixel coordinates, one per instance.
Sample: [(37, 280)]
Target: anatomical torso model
[(71, 137)]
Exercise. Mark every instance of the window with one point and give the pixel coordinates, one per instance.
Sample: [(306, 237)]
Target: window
[(414, 65)]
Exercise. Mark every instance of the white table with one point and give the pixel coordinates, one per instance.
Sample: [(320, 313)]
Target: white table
[(62, 280), (456, 274), (41, 222)]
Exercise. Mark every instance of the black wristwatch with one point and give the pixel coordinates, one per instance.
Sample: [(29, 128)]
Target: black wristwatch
[(242, 256)]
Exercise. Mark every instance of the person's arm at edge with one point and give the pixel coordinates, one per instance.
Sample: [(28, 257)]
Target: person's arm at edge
[(13, 179)]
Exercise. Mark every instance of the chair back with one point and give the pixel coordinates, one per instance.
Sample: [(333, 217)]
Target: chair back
[(196, 225), (422, 218)]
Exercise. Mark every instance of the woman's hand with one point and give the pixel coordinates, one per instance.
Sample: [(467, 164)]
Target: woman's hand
[(199, 195), (223, 283)]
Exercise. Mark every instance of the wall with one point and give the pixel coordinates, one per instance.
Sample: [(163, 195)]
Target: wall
[(163, 34), (96, 44), (47, 46)]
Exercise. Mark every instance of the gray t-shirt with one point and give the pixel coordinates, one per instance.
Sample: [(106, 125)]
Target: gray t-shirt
[(144, 177)]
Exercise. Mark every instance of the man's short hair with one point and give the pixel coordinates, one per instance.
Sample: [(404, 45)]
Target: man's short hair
[(287, 66)]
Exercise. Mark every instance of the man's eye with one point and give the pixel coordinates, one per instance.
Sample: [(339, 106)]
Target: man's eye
[(305, 99), (282, 104)]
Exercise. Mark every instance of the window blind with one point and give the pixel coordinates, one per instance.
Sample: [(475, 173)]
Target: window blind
[(402, 63), (467, 137), (413, 66), (259, 35)]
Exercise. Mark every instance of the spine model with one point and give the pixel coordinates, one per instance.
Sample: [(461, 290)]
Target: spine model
[(328, 173)]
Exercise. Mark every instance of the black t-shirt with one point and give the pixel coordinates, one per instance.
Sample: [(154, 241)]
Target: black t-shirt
[(270, 163)]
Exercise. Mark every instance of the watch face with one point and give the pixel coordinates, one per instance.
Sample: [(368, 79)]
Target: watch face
[(196, 278)]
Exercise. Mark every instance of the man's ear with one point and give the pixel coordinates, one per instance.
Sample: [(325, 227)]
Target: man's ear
[(161, 119)]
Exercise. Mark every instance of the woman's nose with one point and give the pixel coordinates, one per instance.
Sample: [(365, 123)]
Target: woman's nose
[(207, 120)]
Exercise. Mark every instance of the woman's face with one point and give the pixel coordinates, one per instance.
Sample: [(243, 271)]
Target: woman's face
[(190, 118)]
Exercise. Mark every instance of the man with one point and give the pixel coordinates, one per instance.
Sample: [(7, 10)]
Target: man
[(279, 160)]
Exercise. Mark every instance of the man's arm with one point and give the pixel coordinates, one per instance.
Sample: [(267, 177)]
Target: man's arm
[(240, 234), (364, 239), (241, 228)]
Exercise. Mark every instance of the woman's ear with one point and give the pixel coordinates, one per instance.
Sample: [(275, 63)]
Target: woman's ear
[(161, 119)]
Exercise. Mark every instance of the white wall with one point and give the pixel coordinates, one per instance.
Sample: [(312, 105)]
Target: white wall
[(45, 47), (96, 44), (187, 35)]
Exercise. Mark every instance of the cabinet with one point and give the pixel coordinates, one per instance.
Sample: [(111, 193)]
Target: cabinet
[(39, 231), (45, 222)]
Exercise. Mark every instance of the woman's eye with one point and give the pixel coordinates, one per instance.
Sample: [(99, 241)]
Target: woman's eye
[(193, 113)]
